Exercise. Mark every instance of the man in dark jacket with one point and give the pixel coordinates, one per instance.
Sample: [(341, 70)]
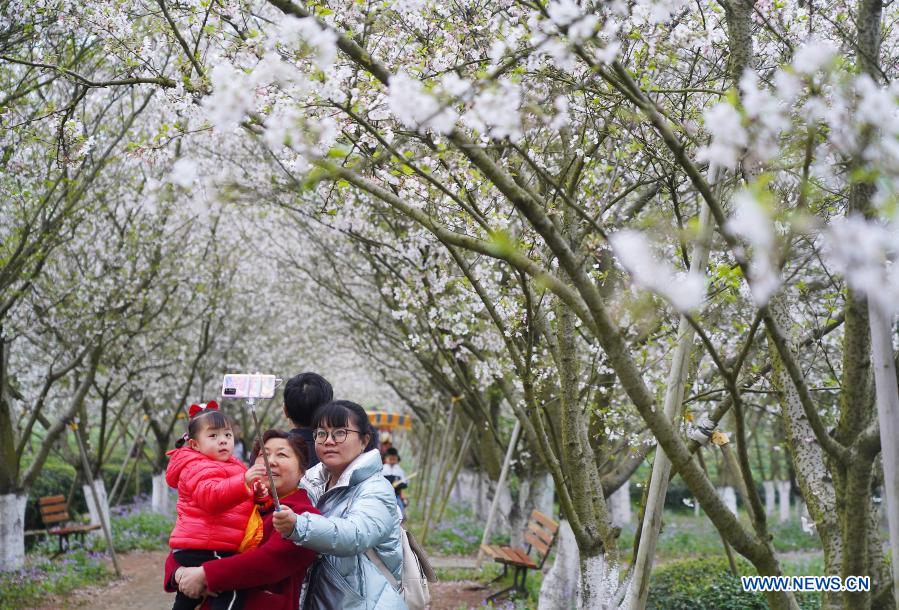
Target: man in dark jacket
[(303, 395)]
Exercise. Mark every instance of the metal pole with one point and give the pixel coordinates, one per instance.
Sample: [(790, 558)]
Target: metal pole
[(251, 403), (507, 461), (90, 481)]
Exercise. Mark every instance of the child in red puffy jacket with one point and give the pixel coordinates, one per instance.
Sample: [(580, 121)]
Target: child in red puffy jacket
[(217, 516)]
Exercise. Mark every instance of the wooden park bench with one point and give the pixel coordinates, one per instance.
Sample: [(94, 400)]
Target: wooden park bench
[(539, 536), (55, 515)]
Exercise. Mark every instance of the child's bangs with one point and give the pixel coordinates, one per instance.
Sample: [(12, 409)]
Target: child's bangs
[(215, 420)]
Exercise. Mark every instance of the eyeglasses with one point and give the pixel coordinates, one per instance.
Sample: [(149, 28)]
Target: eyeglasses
[(339, 435)]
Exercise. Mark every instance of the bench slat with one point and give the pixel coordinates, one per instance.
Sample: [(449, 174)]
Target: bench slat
[(538, 545), (545, 521), (488, 550), (519, 557), (57, 518), (497, 553), (539, 531), (52, 500), (504, 555)]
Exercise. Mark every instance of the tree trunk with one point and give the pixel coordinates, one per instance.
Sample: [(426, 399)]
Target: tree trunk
[(535, 492), (161, 502), (12, 531), (783, 492), (620, 505), (598, 582), (97, 512), (560, 585), (770, 497), (729, 497)]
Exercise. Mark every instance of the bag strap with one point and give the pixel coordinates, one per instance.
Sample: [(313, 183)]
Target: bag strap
[(424, 561), (375, 559)]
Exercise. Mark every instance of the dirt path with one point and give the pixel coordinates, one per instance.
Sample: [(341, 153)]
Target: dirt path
[(141, 589)]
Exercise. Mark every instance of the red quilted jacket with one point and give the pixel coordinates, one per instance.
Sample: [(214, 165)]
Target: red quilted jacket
[(214, 503)]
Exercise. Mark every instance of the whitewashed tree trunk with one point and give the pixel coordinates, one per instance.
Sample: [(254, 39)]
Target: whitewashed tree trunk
[(466, 490), (560, 585), (620, 505), (533, 494), (783, 491), (729, 497), (12, 531), (92, 508), (598, 583), (518, 519), (770, 497), (161, 501)]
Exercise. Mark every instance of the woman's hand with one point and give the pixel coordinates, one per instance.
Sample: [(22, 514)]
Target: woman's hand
[(191, 581), (257, 471), (284, 520)]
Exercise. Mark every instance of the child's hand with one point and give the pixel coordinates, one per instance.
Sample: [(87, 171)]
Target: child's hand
[(260, 491), (256, 471), (284, 520)]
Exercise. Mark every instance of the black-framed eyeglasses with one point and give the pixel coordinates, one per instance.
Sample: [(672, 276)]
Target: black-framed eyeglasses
[(339, 435)]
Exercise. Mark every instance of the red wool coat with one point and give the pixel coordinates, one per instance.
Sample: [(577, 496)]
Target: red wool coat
[(214, 502), (271, 574)]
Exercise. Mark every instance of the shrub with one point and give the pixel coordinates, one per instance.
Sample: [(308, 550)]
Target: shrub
[(692, 584), (697, 584)]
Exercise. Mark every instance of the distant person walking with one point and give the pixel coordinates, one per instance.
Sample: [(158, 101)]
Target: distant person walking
[(303, 395), (394, 473)]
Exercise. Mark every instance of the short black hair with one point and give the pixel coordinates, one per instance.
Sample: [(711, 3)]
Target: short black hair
[(339, 413), (303, 394), (392, 451)]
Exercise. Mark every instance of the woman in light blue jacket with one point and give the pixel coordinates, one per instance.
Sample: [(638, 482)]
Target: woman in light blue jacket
[(359, 515)]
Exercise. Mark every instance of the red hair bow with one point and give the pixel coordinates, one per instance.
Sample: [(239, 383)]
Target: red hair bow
[(195, 408)]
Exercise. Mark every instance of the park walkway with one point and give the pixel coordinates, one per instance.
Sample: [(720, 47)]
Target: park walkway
[(141, 589)]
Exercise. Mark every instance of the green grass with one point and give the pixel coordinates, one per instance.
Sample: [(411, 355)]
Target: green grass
[(458, 533), (684, 536), (42, 577), (132, 529), (139, 530)]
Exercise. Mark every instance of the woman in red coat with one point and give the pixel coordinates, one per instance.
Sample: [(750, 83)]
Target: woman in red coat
[(272, 574)]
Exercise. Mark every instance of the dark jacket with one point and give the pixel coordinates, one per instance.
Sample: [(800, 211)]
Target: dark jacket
[(306, 433)]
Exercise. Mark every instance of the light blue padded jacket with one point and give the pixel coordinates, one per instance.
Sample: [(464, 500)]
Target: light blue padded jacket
[(359, 513)]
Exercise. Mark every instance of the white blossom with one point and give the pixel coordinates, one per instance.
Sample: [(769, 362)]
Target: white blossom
[(728, 137), (865, 253), (814, 55), (751, 222), (184, 172), (685, 291), (416, 108), (496, 111)]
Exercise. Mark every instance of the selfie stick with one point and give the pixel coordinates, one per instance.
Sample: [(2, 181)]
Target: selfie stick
[(251, 403)]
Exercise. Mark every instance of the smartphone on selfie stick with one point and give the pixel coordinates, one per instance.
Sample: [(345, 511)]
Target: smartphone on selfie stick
[(253, 388)]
